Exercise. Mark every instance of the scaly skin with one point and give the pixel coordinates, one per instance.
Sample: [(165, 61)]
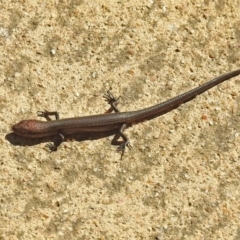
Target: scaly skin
[(107, 122)]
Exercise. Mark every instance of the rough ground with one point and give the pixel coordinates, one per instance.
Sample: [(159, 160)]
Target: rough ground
[(182, 178)]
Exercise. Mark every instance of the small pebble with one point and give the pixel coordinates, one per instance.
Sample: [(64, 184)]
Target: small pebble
[(53, 51)]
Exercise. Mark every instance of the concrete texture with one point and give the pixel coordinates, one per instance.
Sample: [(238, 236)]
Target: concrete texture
[(181, 180)]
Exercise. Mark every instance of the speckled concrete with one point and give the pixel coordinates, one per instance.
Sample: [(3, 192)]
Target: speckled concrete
[(182, 178)]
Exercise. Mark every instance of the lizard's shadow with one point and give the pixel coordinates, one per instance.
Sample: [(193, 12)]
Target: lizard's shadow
[(17, 140)]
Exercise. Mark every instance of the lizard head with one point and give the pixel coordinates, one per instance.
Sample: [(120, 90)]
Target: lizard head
[(25, 128)]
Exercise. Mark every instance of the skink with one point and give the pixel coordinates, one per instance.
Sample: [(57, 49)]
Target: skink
[(118, 121)]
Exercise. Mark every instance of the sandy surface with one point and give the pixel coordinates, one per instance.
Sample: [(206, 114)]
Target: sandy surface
[(182, 178)]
